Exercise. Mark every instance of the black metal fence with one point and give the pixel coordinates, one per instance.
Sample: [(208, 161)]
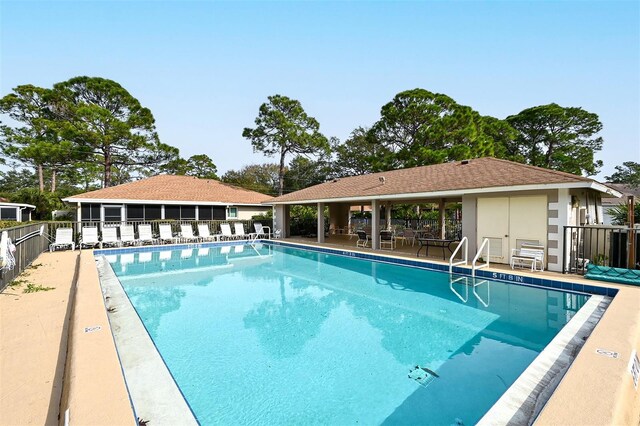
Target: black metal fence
[(611, 246), (26, 251), (453, 228)]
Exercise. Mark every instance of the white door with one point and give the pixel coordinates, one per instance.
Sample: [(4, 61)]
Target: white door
[(508, 222), (493, 223), (528, 220)]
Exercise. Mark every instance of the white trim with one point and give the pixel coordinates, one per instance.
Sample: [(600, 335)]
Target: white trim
[(3, 204), (459, 192), (168, 202), (554, 220)]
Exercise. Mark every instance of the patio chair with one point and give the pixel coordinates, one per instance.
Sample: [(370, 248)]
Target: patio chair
[(205, 234), (387, 239), (110, 237), (127, 236), (145, 235), (89, 238), (409, 234), (261, 231), (363, 239), (225, 228), (186, 232), (166, 235), (64, 238), (240, 234)]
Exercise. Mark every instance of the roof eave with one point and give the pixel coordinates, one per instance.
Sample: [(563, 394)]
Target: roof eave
[(167, 202), (457, 193)]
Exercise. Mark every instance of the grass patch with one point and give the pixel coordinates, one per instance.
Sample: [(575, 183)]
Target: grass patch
[(34, 288), (16, 283)]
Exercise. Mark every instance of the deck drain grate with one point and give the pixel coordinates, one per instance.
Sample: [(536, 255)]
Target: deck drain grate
[(92, 329), (607, 353)]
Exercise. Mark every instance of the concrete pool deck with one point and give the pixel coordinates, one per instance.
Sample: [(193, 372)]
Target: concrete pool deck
[(597, 389)]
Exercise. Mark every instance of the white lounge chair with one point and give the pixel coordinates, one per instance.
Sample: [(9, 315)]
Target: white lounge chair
[(240, 234), (145, 235), (127, 236), (64, 239), (225, 228), (186, 232), (205, 234), (89, 238), (110, 236), (166, 235), (261, 231)]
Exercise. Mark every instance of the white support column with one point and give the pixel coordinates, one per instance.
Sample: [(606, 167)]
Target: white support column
[(564, 215), (441, 207), (320, 229), (387, 214), (375, 224)]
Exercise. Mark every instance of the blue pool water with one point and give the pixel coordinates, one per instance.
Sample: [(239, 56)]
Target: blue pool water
[(279, 335)]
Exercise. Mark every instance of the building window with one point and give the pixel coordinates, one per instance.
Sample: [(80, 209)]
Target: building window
[(135, 212), (219, 213), (188, 212), (205, 212), (8, 213), (112, 213), (233, 212), (90, 212), (172, 212), (152, 212)]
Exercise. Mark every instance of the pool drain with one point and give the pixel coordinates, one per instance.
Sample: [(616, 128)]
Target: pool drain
[(422, 375)]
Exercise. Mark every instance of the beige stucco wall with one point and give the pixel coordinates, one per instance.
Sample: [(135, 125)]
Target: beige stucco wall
[(247, 212)]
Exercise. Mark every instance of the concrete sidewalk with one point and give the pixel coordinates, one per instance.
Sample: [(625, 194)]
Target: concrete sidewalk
[(33, 341)]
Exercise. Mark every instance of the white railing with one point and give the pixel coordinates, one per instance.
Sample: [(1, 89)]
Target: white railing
[(465, 260), (485, 244)]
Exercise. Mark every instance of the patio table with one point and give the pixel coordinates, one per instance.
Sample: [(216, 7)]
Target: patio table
[(435, 242)]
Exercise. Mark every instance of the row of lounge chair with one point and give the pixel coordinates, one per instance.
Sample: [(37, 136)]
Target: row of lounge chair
[(90, 238)]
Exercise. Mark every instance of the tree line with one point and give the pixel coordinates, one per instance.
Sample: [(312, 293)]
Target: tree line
[(90, 132)]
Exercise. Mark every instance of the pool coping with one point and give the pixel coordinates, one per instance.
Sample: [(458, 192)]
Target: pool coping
[(155, 395)]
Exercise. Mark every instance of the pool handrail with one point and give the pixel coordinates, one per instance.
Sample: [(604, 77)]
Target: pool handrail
[(465, 261), (485, 243)]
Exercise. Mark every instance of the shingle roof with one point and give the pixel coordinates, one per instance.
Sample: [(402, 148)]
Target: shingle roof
[(177, 188), (626, 190), (484, 172)]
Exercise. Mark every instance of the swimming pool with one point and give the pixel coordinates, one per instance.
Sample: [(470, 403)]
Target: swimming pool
[(272, 335)]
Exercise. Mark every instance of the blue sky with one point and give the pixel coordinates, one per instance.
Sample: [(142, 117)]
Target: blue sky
[(204, 68)]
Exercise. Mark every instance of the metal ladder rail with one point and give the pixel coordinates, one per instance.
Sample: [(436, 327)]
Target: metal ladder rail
[(465, 261), (485, 243)]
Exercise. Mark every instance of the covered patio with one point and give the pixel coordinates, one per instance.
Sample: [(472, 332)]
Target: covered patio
[(508, 203)]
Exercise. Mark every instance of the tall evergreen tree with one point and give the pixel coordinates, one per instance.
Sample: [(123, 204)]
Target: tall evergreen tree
[(559, 138), (283, 128)]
